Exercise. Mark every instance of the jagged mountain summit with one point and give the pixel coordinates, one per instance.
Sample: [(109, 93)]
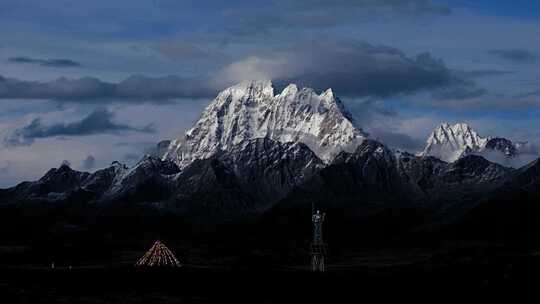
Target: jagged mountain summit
[(251, 110), (451, 142)]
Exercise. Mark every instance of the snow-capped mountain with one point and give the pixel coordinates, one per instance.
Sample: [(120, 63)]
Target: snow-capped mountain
[(263, 160), (254, 153), (451, 142), (251, 110)]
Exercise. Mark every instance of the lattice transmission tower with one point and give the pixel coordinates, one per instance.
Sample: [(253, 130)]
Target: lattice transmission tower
[(318, 246)]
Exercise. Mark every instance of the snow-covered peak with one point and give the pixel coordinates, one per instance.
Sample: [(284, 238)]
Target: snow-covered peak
[(328, 95), (250, 110), (460, 134), (450, 142), (252, 88), (290, 90)]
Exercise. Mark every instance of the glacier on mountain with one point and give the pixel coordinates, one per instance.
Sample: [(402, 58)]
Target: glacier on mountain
[(251, 110)]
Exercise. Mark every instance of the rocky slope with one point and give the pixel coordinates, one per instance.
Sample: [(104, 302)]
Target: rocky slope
[(374, 176), (246, 179)]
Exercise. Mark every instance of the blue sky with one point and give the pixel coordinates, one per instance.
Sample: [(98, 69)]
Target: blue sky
[(108, 79), (516, 8)]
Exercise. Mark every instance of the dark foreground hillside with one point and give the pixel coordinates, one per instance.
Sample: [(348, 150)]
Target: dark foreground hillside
[(455, 274)]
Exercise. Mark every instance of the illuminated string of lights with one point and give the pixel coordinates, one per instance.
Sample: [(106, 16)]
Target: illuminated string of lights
[(158, 256)]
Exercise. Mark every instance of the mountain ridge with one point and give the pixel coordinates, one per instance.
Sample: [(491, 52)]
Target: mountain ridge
[(263, 163), (251, 110), (272, 176)]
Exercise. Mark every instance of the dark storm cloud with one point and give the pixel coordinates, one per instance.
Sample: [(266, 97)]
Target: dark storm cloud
[(100, 121), (59, 63), (351, 69), (134, 88), (372, 71), (89, 162), (515, 55), (248, 20)]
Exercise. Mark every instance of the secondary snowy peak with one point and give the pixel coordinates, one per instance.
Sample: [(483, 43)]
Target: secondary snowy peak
[(450, 142), (252, 110)]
